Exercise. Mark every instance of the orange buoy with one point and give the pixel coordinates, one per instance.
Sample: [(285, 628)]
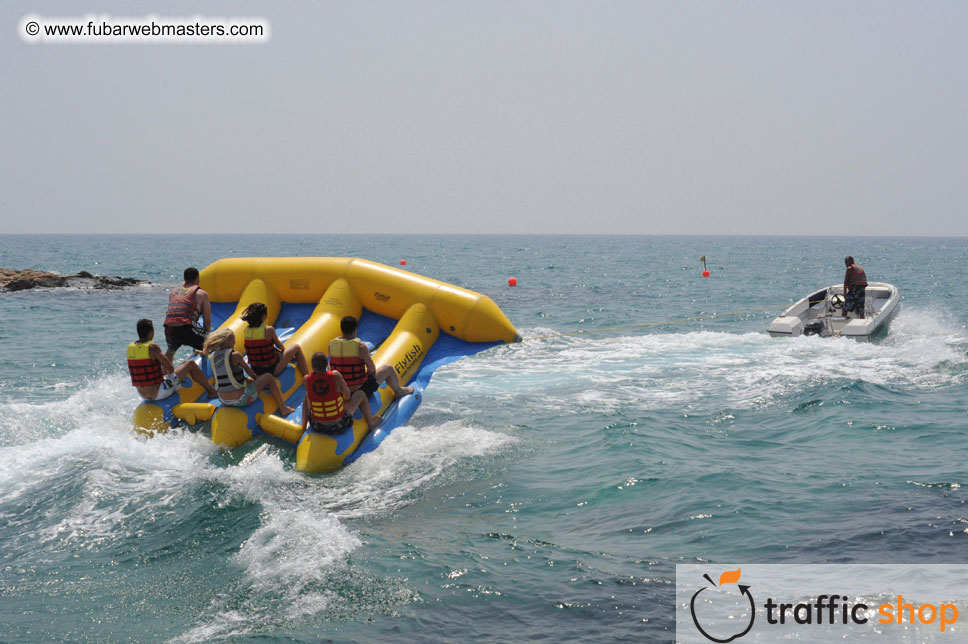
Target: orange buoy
[(512, 281), (705, 273), (403, 262)]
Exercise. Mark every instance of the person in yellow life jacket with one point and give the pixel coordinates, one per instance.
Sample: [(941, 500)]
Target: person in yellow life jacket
[(230, 369), (349, 356), (328, 407), (152, 372), (185, 304), (265, 352), (855, 288)]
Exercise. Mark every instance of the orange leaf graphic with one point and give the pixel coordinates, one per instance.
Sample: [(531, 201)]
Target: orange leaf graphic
[(729, 577)]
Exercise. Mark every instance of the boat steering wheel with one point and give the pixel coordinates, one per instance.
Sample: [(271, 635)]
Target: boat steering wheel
[(837, 302)]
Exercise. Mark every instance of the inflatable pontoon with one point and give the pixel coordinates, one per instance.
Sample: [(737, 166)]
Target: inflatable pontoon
[(413, 323)]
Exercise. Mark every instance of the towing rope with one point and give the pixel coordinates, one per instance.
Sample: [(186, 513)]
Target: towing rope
[(648, 324)]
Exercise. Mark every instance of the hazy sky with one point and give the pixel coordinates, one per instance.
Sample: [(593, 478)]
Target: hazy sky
[(680, 117)]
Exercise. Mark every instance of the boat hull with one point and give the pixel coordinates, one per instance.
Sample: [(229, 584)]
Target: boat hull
[(816, 314)]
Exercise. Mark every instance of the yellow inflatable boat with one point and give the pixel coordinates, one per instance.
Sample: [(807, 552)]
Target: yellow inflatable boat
[(413, 323)]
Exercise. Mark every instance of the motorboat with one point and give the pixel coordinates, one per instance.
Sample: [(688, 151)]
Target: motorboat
[(822, 313)]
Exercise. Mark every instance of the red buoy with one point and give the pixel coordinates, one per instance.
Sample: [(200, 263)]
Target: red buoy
[(403, 262), (705, 273), (512, 281)]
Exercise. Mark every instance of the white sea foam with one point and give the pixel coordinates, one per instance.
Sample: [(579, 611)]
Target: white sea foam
[(409, 460), (654, 371), (120, 483)]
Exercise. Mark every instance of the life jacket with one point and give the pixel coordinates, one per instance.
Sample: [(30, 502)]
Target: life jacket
[(857, 276), (325, 398), (145, 370), (181, 306), (260, 351), (228, 377), (344, 356)]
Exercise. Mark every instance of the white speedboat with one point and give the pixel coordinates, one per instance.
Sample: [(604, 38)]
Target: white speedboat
[(822, 313)]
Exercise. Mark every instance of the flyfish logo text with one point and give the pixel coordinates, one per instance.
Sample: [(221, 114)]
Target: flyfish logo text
[(408, 359)]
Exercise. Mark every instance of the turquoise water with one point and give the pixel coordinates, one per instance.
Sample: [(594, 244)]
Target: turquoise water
[(543, 491)]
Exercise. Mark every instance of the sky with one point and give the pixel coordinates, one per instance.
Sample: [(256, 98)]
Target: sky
[(497, 117)]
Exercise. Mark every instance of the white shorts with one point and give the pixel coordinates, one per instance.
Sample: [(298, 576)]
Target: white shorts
[(168, 386)]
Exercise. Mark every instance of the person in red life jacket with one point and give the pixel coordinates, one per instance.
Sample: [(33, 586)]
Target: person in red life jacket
[(855, 288), (152, 372), (349, 356), (185, 304), (230, 369), (266, 353), (328, 407)]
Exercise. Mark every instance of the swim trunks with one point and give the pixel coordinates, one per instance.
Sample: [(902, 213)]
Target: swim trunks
[(249, 397), (855, 299), (338, 427), (370, 386), (184, 335), (168, 386)]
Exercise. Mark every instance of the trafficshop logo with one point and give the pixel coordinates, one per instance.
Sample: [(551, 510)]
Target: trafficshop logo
[(726, 611), (728, 577)]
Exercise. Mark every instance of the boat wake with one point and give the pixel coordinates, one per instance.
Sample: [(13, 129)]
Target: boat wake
[(697, 372)]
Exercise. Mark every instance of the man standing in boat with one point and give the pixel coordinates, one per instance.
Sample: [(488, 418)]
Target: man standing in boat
[(351, 358), (185, 304), (855, 288)]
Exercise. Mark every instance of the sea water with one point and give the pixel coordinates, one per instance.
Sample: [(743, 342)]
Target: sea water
[(543, 491)]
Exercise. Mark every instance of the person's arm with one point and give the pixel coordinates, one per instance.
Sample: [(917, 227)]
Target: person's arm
[(846, 279), (305, 414), (365, 355), (343, 388), (237, 359), (155, 352), (206, 304), (271, 335)]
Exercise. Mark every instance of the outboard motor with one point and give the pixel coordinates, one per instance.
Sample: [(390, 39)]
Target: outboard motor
[(813, 328)]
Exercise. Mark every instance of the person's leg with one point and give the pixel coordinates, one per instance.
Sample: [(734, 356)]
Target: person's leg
[(359, 401), (190, 368), (386, 373), (267, 381), (172, 343), (295, 351)]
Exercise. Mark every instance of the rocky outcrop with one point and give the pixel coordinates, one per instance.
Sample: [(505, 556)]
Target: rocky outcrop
[(13, 280)]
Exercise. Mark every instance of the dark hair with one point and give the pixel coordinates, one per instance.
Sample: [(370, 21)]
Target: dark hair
[(191, 274), (849, 260), (319, 361), (145, 327), (253, 313), (347, 324)]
